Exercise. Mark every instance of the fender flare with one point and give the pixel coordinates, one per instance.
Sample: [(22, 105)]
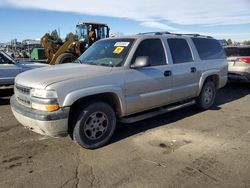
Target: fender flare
[(73, 96), (205, 75)]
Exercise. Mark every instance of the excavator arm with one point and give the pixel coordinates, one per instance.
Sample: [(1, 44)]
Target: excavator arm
[(53, 50)]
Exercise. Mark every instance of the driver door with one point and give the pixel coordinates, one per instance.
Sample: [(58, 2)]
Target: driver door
[(148, 87)]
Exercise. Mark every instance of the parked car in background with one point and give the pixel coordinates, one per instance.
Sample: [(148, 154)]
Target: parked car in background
[(238, 63), (223, 42), (125, 79), (9, 68)]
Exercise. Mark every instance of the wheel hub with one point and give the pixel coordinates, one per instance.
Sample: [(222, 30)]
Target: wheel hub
[(208, 95), (96, 125)]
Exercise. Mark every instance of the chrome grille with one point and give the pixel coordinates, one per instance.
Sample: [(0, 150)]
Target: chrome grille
[(22, 89), (23, 95), (23, 101)]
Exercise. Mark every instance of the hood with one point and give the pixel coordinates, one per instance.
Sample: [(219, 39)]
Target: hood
[(43, 77)]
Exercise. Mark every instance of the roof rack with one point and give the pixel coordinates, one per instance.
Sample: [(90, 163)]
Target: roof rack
[(154, 33), (177, 34), (196, 35)]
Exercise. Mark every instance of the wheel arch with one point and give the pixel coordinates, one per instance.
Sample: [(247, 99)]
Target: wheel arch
[(109, 97), (209, 76)]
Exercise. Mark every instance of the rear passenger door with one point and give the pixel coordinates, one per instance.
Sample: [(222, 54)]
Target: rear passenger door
[(185, 70), (148, 87)]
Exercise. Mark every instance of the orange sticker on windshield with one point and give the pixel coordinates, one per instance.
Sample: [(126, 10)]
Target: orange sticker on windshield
[(118, 50)]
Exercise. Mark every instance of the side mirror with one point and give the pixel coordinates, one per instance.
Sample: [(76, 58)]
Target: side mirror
[(141, 61)]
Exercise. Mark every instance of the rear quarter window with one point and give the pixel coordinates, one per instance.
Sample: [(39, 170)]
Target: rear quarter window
[(209, 49)]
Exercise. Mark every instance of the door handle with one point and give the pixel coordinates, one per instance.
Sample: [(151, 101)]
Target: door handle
[(167, 73), (193, 69)]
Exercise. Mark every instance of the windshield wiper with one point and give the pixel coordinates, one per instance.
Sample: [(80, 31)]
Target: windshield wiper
[(106, 65), (78, 61), (98, 64), (91, 63)]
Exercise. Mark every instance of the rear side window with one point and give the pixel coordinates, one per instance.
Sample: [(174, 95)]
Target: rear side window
[(237, 51), (209, 49), (180, 51), (152, 48)]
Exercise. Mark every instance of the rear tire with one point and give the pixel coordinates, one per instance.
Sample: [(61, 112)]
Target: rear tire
[(65, 58), (207, 95), (95, 125)]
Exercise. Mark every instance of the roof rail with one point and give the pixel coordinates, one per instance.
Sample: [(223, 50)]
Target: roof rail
[(197, 35), (154, 33), (178, 34)]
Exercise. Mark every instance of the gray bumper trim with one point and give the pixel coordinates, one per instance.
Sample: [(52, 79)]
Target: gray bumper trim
[(62, 113), (241, 76)]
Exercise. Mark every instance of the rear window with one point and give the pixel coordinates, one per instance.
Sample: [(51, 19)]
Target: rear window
[(209, 49), (236, 51)]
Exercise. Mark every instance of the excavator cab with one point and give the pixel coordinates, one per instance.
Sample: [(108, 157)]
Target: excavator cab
[(82, 31)]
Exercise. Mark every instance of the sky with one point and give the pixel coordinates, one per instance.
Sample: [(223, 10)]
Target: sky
[(31, 19)]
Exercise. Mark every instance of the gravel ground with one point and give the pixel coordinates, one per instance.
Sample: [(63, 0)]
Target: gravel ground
[(185, 148)]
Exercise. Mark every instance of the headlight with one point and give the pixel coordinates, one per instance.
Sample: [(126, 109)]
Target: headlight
[(44, 100), (45, 107), (39, 93)]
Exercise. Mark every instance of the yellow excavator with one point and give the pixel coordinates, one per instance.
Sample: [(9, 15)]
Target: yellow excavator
[(58, 52)]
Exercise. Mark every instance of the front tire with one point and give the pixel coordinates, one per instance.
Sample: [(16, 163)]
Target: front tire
[(65, 58), (207, 96), (95, 125)]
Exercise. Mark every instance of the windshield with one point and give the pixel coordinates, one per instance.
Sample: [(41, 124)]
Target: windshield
[(111, 52), (7, 56), (234, 51), (82, 32), (103, 32)]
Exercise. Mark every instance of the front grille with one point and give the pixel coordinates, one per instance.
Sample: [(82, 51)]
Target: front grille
[(23, 101), (23, 95), (22, 89)]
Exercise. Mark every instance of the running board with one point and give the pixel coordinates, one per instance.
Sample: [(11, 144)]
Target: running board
[(162, 110)]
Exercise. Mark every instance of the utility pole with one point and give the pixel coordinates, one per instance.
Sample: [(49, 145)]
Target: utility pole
[(59, 33)]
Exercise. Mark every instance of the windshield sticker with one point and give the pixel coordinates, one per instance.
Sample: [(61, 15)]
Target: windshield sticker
[(124, 44), (118, 50)]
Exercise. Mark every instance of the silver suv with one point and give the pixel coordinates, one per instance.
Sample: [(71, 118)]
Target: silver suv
[(123, 79)]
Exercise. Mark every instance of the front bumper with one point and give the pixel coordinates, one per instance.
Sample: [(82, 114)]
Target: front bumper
[(239, 76), (53, 124)]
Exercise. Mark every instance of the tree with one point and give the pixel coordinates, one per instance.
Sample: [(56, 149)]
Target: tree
[(71, 35), (229, 42), (246, 42), (54, 36)]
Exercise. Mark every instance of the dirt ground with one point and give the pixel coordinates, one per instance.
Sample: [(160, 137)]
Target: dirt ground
[(185, 148)]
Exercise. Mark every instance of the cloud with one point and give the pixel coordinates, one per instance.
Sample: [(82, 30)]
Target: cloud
[(241, 36), (151, 13), (155, 24)]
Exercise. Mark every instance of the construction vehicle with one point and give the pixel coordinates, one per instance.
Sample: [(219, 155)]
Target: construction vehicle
[(58, 52)]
